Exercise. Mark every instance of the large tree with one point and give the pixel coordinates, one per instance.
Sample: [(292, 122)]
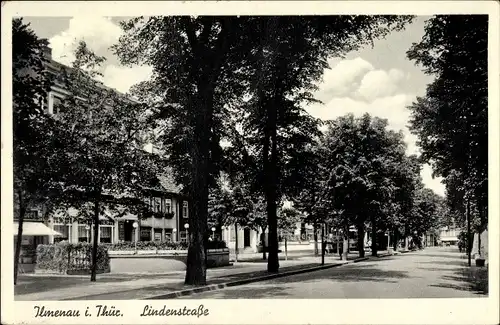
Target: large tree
[(35, 136), (286, 69), (364, 156), (196, 64), (451, 121), (104, 137)]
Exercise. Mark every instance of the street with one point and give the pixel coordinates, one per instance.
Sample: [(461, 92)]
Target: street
[(432, 273)]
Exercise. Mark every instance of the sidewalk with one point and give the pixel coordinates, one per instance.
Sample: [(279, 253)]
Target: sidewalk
[(140, 286), (164, 285)]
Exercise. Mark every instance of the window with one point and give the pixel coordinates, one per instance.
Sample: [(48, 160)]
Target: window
[(168, 235), (157, 204), (83, 234), (183, 236), (105, 234), (167, 208), (32, 215), (64, 230), (56, 105), (185, 210), (157, 234), (145, 234)]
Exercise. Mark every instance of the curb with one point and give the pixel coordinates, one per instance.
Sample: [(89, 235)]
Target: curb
[(187, 292), (360, 259)]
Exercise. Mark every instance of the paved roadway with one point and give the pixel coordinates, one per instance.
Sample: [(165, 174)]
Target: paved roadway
[(431, 273)]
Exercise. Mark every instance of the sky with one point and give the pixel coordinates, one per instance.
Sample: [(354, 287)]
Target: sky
[(376, 79)]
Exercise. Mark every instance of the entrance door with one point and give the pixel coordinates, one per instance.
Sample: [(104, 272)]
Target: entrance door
[(246, 237), (128, 230)]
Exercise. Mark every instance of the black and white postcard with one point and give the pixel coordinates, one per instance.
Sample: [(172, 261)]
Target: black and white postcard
[(273, 162)]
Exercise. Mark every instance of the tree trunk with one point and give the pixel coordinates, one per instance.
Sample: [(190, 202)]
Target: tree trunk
[(236, 242), (374, 238), (337, 242), (322, 244), (396, 239), (196, 261), (19, 239), (96, 241), (286, 249), (388, 240), (345, 245), (406, 237), (271, 188), (479, 243), (263, 240), (469, 241), (361, 240), (315, 236), (205, 72)]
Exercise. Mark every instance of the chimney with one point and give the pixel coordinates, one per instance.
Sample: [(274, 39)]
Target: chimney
[(47, 52)]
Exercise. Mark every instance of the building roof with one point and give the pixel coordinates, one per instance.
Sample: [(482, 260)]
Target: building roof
[(168, 182)]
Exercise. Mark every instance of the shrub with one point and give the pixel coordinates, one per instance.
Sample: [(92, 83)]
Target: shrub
[(165, 245), (68, 258), (216, 244), (148, 245)]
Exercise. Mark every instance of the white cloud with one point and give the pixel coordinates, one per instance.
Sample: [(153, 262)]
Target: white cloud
[(343, 77), (355, 86), (432, 183), (392, 108), (122, 78), (378, 83), (98, 32)]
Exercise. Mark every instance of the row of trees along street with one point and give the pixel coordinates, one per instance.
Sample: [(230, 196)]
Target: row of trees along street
[(451, 120), (241, 81)]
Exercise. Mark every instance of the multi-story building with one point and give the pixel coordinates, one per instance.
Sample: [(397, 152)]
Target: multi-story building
[(448, 236), (165, 218)]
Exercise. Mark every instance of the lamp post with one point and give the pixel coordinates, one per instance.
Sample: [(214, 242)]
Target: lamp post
[(135, 225), (213, 233), (186, 226), (174, 231), (87, 228)]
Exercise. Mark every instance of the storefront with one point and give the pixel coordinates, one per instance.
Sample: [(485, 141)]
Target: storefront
[(34, 234)]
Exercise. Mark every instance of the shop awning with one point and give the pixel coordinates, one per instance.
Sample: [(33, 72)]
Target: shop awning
[(35, 229)]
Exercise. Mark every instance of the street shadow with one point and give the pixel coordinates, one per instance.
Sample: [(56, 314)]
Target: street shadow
[(436, 269), (249, 292), (472, 279), (453, 256), (34, 284), (449, 263), (349, 274), (378, 259)]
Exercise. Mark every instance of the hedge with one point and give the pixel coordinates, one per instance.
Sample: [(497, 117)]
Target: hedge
[(68, 258), (156, 245)]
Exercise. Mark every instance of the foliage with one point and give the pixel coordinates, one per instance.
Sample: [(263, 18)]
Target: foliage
[(288, 219), (67, 258), (35, 137), (157, 245), (202, 68), (451, 121), (197, 62), (283, 74), (147, 245)]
